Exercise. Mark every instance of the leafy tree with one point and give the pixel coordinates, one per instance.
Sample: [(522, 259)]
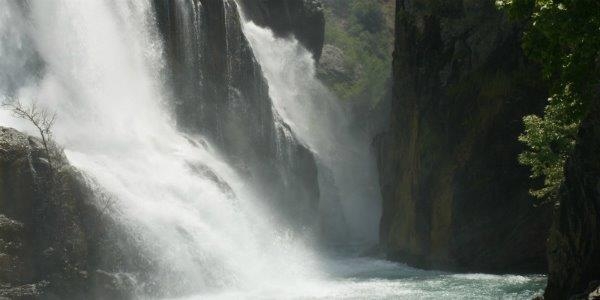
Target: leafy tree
[(368, 14), (363, 29), (564, 37)]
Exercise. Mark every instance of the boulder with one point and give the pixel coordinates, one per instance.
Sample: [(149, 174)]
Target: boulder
[(51, 232), (333, 68)]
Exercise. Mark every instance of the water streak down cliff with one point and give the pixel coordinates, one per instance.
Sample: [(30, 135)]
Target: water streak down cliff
[(221, 93), (191, 211), (302, 19)]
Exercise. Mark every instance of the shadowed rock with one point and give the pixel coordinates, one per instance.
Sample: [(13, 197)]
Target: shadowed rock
[(574, 243), (454, 194), (221, 94), (52, 234)]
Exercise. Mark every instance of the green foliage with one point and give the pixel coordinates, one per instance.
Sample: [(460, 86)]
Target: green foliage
[(550, 140), (564, 37), (364, 31), (338, 6), (368, 14)]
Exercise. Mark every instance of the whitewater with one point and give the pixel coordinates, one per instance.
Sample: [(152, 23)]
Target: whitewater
[(99, 65)]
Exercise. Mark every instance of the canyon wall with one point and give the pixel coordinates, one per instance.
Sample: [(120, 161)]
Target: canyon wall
[(454, 194), (574, 243)]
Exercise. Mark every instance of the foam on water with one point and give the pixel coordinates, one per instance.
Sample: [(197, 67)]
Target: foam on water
[(368, 278)]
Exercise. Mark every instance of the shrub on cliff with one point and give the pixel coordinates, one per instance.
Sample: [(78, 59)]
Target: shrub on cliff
[(363, 29), (369, 14), (564, 37)]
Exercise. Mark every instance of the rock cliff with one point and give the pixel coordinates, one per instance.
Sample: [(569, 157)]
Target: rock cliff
[(221, 93), (574, 243), (55, 243), (454, 195)]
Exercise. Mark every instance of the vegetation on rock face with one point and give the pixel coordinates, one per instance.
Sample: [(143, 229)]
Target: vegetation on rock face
[(363, 31), (564, 37), (41, 118)]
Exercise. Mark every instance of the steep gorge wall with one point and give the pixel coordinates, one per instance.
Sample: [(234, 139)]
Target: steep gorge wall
[(574, 243), (221, 93), (454, 195)]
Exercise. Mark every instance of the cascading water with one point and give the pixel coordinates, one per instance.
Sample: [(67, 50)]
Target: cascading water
[(204, 229), (102, 62), (316, 116), (220, 93)]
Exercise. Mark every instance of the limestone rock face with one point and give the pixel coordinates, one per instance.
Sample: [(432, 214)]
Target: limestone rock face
[(574, 243), (302, 18), (52, 236), (454, 194), (221, 94), (42, 237)]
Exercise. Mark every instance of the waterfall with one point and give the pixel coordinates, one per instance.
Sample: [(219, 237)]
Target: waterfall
[(204, 135), (221, 94), (347, 170), (99, 65)]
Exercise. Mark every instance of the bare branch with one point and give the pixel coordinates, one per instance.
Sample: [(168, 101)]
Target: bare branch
[(42, 119)]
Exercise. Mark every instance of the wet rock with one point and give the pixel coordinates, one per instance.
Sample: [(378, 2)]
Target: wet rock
[(303, 19), (114, 285), (51, 233), (221, 94), (9, 228), (206, 172), (595, 293), (26, 291)]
